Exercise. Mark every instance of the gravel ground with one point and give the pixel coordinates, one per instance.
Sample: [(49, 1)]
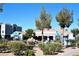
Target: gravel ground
[(38, 52), (6, 54), (67, 52)]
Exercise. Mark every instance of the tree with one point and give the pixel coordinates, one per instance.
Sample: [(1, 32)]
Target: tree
[(75, 32), (65, 19), (29, 33), (44, 21)]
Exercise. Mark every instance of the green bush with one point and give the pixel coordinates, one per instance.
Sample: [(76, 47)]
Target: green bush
[(77, 40), (50, 48), (41, 46), (29, 53), (4, 47), (73, 43), (16, 46), (78, 44), (57, 46), (57, 40), (20, 48), (44, 48), (29, 47), (18, 53), (25, 41), (1, 42)]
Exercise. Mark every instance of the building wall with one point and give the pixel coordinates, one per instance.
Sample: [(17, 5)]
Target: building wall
[(8, 29), (2, 29), (19, 28), (16, 28)]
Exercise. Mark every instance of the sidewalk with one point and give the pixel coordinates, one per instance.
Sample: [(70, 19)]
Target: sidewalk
[(38, 51), (68, 52)]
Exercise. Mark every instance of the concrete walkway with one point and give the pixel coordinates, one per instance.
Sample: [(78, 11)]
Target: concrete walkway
[(38, 51), (68, 52)]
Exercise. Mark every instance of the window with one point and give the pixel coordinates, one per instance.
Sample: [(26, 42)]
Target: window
[(2, 31)]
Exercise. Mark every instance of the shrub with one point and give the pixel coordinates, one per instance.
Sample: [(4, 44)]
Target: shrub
[(78, 44), (29, 53), (44, 48), (57, 46), (29, 47), (25, 41), (16, 46), (1, 42), (57, 40), (18, 53), (73, 43), (19, 48), (50, 48), (4, 47), (24, 37), (41, 46), (77, 40)]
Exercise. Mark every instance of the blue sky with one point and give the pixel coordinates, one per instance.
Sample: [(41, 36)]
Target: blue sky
[(26, 14)]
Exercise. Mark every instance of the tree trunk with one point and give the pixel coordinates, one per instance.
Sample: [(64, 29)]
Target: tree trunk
[(75, 41), (62, 34), (42, 36)]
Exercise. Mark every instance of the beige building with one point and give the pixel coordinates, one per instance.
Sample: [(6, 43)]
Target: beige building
[(48, 34)]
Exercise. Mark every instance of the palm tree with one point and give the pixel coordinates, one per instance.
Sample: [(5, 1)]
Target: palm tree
[(65, 19), (75, 32), (44, 21)]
